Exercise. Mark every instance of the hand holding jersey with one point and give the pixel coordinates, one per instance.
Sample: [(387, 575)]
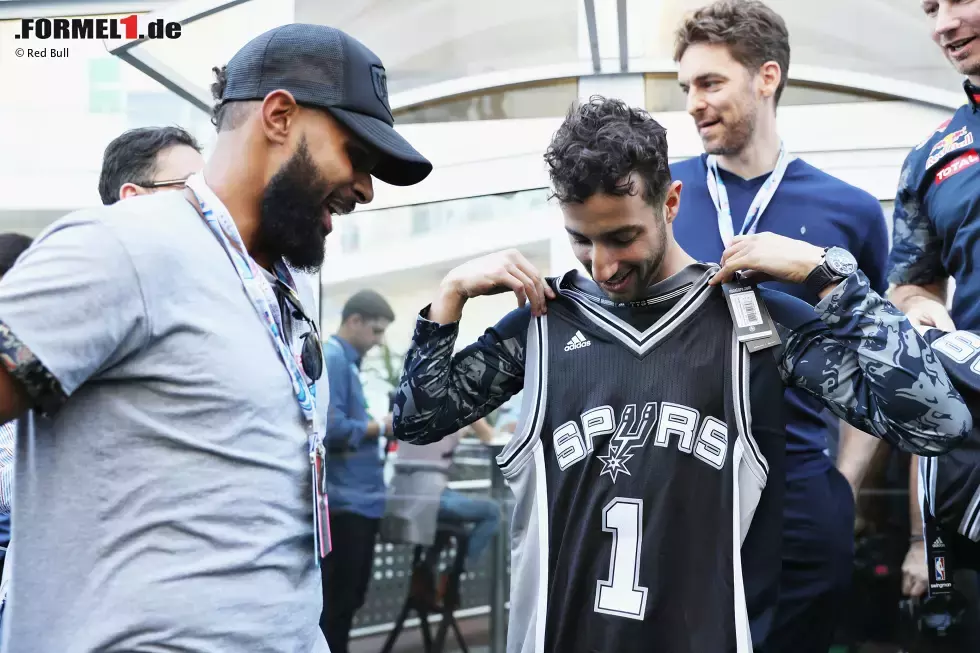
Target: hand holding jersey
[(491, 275), (769, 256)]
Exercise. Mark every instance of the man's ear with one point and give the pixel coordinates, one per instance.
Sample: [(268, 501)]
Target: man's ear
[(673, 202), (278, 113), (128, 190), (770, 75)]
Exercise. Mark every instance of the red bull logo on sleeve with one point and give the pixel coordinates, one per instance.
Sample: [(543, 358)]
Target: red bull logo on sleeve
[(949, 143), (939, 130)]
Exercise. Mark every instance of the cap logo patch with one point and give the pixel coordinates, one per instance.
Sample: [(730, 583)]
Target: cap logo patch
[(380, 79)]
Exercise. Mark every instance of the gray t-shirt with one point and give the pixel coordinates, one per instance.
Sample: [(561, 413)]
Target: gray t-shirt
[(167, 505)]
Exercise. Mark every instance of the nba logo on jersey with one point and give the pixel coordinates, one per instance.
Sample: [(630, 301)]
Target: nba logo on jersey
[(940, 568)]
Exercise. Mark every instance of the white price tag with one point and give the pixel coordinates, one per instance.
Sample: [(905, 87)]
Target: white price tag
[(747, 313)]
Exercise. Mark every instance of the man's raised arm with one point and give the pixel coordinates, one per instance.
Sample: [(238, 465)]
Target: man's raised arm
[(440, 392)]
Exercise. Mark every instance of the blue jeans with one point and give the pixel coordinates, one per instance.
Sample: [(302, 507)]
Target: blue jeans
[(484, 514)]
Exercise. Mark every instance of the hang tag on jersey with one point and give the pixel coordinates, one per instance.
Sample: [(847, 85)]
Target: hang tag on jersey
[(753, 324), (939, 562)]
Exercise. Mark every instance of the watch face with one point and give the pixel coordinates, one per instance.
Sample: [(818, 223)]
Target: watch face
[(840, 261)]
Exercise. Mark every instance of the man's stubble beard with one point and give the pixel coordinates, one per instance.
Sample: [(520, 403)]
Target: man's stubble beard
[(738, 135)]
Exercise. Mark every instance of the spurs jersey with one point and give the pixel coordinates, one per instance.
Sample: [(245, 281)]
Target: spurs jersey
[(949, 485), (638, 477), (648, 436)]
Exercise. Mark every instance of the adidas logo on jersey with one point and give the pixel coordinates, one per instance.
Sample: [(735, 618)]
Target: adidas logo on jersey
[(577, 342), (938, 544)]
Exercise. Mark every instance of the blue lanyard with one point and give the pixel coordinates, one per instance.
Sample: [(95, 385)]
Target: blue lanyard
[(716, 188), (260, 293)]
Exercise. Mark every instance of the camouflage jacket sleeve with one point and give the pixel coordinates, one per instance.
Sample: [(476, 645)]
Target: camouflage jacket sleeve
[(861, 357), (441, 393), (916, 255)]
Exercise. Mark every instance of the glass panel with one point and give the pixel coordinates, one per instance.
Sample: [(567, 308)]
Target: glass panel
[(53, 135), (212, 41), (538, 101), (425, 42), (890, 38), (370, 229), (663, 93)]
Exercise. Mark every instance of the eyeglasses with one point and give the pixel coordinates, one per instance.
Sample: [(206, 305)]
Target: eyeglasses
[(165, 183), (312, 354)]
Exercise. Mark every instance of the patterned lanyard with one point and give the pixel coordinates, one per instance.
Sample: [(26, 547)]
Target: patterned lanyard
[(716, 188), (263, 299)]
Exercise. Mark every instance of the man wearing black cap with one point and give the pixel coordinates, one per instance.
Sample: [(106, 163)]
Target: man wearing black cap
[(175, 473)]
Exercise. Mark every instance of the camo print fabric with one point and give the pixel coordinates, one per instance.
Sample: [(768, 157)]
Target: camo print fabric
[(440, 393), (857, 354), (867, 364), (916, 256), (41, 386)]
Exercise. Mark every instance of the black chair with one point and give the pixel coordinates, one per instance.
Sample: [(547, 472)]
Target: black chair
[(423, 596)]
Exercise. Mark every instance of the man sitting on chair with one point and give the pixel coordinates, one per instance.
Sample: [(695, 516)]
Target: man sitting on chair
[(420, 500)]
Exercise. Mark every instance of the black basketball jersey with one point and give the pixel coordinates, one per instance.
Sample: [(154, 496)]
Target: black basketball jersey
[(949, 485), (637, 477)]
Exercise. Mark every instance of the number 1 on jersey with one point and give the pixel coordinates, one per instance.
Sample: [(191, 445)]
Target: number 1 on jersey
[(621, 595)]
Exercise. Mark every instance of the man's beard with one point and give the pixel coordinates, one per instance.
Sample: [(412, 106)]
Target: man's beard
[(647, 273), (291, 221), (737, 135)]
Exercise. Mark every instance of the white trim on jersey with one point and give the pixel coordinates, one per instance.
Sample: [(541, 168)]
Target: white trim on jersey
[(743, 630), (928, 473), (970, 526), (530, 520), (642, 342), (742, 368), (528, 429), (544, 550), (751, 469)]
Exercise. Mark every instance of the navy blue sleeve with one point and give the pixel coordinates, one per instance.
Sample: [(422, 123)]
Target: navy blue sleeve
[(440, 393), (861, 357), (873, 253), (916, 256)]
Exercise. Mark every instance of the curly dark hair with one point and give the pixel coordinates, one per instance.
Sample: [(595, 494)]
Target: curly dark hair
[(753, 33), (226, 115), (600, 144)]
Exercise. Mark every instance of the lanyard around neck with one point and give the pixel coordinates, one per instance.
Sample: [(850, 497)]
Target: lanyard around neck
[(259, 292), (719, 195)]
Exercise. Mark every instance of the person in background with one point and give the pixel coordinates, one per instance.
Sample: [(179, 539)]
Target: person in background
[(733, 59), (147, 160), (355, 465), (422, 473), (936, 237)]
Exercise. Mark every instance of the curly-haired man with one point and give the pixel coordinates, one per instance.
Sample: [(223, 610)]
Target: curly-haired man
[(648, 463)]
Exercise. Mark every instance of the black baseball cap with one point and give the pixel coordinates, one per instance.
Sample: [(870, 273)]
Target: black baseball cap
[(324, 67)]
